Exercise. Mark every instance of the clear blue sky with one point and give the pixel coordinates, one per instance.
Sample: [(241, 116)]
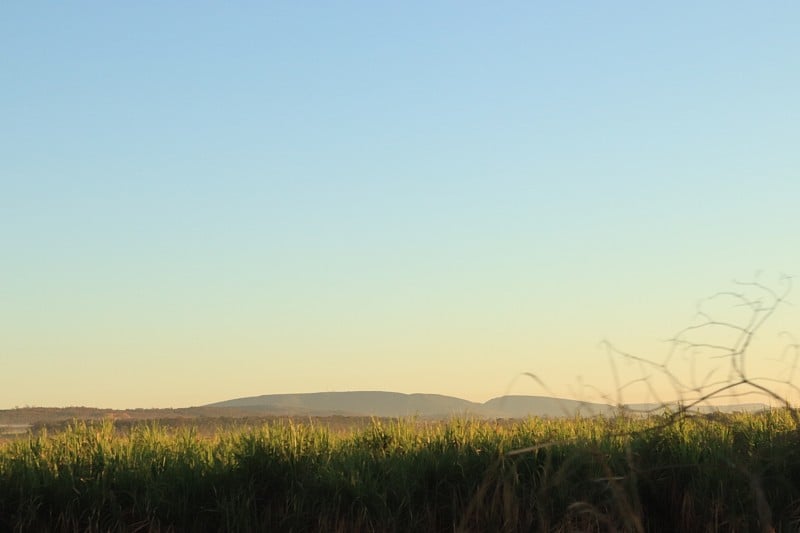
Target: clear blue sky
[(201, 201)]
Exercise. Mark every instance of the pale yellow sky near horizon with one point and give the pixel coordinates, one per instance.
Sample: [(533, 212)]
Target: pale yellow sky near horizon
[(475, 357)]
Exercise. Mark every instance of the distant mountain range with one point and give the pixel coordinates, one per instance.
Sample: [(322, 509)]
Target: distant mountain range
[(361, 404), (395, 404)]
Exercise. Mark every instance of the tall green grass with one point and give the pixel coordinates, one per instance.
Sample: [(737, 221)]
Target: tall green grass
[(661, 473)]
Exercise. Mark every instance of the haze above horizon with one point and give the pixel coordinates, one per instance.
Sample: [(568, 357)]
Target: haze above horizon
[(201, 202)]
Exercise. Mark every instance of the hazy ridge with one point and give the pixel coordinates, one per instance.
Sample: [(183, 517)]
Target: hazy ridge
[(395, 404), (344, 404)]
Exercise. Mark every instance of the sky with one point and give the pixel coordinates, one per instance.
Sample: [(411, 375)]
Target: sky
[(202, 201)]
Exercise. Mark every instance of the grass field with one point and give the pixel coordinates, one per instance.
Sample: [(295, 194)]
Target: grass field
[(724, 473)]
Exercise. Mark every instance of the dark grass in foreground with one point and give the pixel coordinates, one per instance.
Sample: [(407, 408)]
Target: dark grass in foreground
[(726, 473)]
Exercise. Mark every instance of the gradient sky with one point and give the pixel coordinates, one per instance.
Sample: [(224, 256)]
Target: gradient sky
[(201, 201)]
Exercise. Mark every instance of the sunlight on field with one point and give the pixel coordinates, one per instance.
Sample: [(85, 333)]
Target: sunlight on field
[(634, 474)]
